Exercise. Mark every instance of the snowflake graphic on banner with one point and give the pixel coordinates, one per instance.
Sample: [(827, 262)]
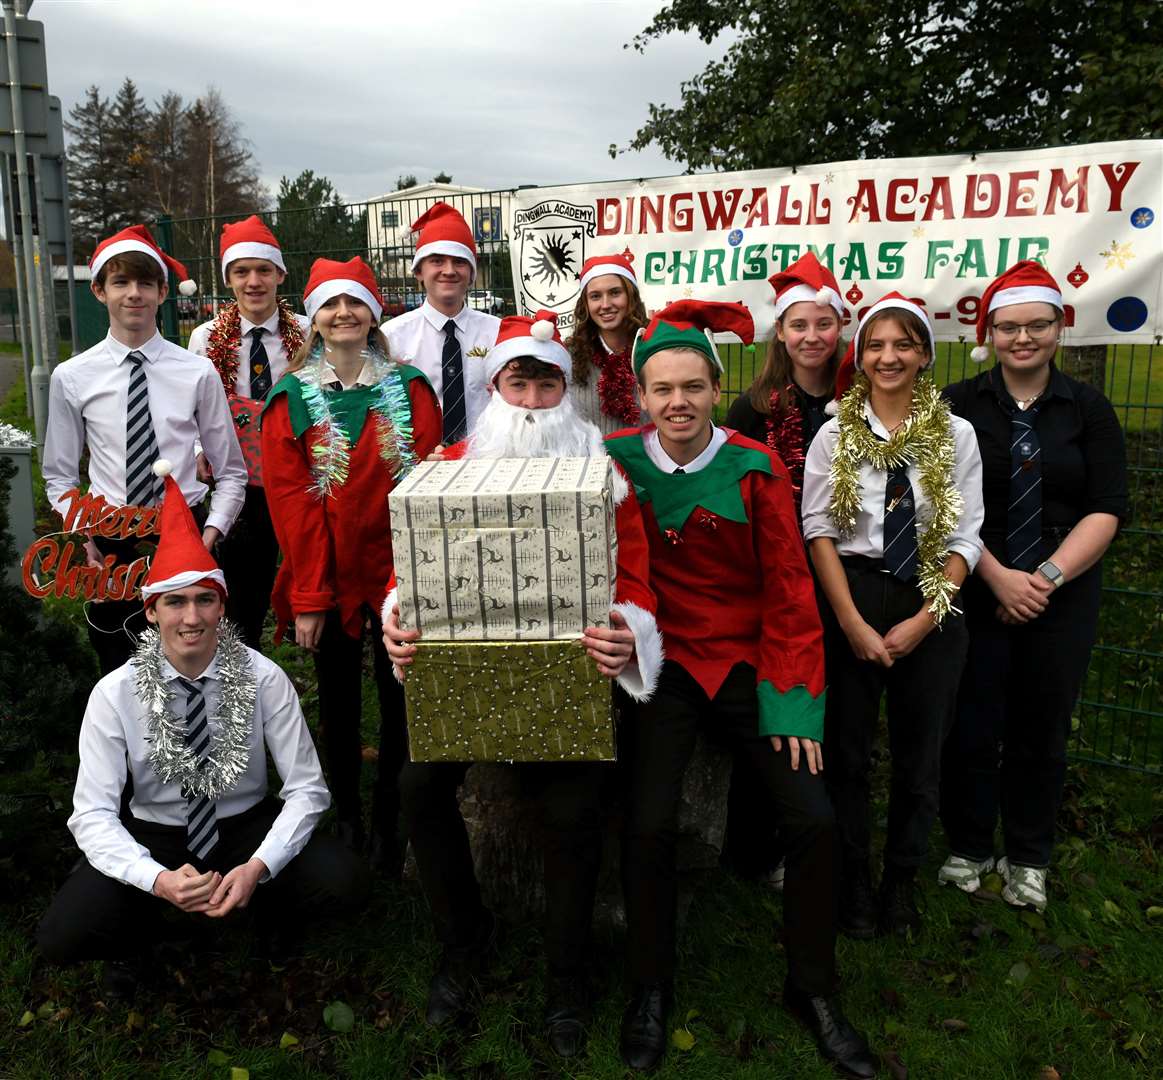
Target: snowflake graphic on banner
[(1118, 255)]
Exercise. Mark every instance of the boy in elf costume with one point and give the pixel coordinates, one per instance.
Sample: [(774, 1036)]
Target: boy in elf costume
[(250, 343), (191, 719), (530, 414), (744, 658)]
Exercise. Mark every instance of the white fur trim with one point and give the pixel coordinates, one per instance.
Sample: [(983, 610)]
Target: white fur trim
[(619, 487), (602, 269), (325, 290), (182, 580), (252, 249), (798, 294), (902, 305), (640, 676), (390, 602), (445, 247), (979, 354), (1025, 294), (163, 467), (122, 246), (832, 408), (551, 352), (188, 287)]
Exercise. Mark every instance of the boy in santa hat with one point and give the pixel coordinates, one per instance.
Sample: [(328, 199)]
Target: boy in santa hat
[(250, 343), (128, 401), (530, 414), (191, 719), (744, 657), (442, 335)]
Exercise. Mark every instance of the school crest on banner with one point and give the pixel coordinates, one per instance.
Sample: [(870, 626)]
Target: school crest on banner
[(550, 241)]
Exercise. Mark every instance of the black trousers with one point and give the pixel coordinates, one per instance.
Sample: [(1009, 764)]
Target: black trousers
[(1007, 752), (920, 690), (339, 668), (570, 794), (660, 738), (95, 917), (249, 557)]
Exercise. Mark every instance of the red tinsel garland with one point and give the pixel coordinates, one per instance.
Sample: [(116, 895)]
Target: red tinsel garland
[(225, 340), (787, 437), (617, 387)]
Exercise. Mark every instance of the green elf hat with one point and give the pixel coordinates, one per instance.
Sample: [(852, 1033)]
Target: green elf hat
[(692, 324)]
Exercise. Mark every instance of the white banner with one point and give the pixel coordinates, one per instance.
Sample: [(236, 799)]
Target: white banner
[(937, 229)]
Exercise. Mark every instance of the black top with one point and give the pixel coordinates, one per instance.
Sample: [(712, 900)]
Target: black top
[(1084, 461), (744, 419)]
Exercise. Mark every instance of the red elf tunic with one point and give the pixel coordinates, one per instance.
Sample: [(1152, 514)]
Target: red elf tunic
[(728, 567), (337, 549)]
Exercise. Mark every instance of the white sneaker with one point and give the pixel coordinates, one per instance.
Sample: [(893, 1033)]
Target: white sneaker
[(1025, 886), (774, 878), (966, 874)]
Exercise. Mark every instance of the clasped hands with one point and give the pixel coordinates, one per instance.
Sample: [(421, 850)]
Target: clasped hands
[(209, 893)]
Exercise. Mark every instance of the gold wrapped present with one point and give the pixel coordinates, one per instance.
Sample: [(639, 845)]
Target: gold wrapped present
[(508, 701)]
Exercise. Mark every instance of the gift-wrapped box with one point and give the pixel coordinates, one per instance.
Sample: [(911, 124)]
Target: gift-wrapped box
[(507, 701), (505, 549)]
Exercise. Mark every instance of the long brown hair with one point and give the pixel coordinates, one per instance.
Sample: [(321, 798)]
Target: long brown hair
[(777, 374), (375, 339), (586, 341)]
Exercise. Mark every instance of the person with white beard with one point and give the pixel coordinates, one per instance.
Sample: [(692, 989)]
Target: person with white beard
[(530, 414)]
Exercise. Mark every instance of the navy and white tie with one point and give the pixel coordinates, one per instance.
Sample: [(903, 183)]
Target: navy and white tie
[(260, 365), (452, 387), (142, 487), (900, 525), (1024, 516), (201, 819)]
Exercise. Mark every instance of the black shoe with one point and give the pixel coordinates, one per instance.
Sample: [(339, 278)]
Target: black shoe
[(857, 904), (453, 985), (350, 834), (567, 1014), (383, 855), (644, 1026), (898, 905), (839, 1043), (121, 978)]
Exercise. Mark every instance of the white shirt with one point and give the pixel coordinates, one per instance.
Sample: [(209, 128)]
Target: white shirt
[(330, 379), (272, 339), (113, 730), (868, 537), (86, 408), (417, 338), (653, 447)]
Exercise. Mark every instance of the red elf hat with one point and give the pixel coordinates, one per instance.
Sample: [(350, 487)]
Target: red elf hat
[(330, 278), (522, 335), (443, 231), (692, 324), (249, 239), (1025, 282), (806, 279), (137, 238)]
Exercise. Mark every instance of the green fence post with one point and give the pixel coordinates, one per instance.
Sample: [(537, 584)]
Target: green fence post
[(170, 307)]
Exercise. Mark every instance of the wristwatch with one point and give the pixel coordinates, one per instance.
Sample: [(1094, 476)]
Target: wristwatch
[(1051, 573)]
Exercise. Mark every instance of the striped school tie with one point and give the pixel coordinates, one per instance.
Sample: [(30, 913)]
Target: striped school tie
[(201, 820), (142, 487), (260, 365), (1024, 516), (452, 387), (900, 525)]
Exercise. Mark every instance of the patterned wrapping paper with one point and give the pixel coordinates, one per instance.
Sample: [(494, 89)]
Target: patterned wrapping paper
[(505, 549), (246, 413), (508, 701)]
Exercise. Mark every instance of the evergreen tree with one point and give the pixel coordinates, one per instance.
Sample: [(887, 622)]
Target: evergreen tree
[(312, 222), (93, 171), (130, 123)]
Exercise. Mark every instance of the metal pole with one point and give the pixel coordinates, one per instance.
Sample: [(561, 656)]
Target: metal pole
[(64, 166), (47, 301), (18, 275), (38, 383)]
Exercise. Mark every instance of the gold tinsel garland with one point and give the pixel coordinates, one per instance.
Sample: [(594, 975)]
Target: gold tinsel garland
[(925, 441)]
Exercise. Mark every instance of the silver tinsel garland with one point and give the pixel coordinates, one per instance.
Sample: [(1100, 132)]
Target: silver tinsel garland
[(230, 724), (13, 437)]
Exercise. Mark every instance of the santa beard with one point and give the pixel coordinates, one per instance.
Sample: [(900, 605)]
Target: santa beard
[(505, 430)]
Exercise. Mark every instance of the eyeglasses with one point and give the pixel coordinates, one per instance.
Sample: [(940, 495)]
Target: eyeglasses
[(1040, 328)]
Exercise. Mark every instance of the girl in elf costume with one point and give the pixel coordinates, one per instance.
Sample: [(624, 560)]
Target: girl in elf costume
[(787, 404), (339, 430), (891, 513), (608, 313)]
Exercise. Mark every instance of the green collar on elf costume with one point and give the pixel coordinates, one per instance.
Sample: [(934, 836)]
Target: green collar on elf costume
[(675, 495), (348, 408)]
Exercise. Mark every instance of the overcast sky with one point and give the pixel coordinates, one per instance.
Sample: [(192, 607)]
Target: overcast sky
[(497, 94)]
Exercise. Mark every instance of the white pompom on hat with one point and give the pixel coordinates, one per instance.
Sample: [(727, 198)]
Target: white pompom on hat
[(1025, 282)]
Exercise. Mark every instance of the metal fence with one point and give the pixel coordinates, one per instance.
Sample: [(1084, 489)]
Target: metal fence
[(1119, 719)]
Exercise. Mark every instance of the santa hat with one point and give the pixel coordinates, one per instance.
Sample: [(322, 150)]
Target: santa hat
[(521, 335), (692, 324), (181, 559), (329, 278), (806, 279), (443, 231), (249, 239), (1025, 282), (137, 238), (606, 264)]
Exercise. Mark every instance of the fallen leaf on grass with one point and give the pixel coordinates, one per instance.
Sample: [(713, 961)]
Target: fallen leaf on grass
[(1155, 912), (1135, 1045), (1111, 911), (239, 1073), (339, 1017), (134, 1021), (682, 1039), (954, 1025), (1019, 973), (27, 1018), (1033, 920), (46, 1010), (218, 1057), (896, 1067), (1048, 1072), (288, 1040), (992, 883)]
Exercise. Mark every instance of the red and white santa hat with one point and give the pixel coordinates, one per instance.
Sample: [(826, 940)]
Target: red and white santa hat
[(1026, 282), (330, 278), (606, 264), (522, 335), (806, 279), (443, 231), (249, 239), (181, 559), (137, 238)]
